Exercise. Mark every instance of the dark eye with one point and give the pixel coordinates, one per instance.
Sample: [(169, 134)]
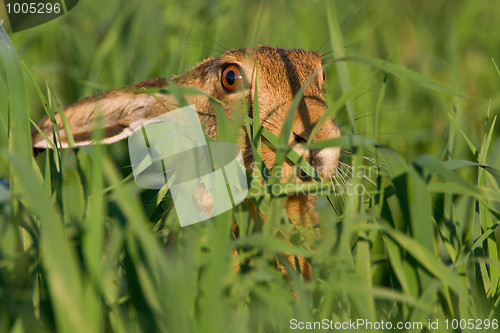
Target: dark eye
[(231, 78), (324, 77)]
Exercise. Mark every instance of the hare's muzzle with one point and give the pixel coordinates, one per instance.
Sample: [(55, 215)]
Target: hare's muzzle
[(324, 161), (310, 112)]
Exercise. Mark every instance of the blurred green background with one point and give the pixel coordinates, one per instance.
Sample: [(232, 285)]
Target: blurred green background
[(100, 46), (422, 246)]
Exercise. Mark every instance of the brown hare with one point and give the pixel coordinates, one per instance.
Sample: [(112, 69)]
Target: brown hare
[(230, 78)]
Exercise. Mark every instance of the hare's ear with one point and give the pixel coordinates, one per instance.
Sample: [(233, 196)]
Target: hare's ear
[(121, 111)]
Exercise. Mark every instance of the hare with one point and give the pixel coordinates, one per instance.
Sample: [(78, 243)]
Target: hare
[(230, 78)]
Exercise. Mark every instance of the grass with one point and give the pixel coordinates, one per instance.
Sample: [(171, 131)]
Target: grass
[(82, 248)]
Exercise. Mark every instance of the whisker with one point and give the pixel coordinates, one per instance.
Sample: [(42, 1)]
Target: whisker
[(324, 43), (384, 133), (372, 160), (331, 91), (338, 114), (204, 47), (352, 45), (207, 36), (326, 53)]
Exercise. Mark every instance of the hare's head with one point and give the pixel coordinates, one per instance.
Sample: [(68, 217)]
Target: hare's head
[(232, 78), (278, 74)]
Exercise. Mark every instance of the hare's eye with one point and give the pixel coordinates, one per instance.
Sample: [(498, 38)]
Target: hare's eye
[(324, 77), (231, 78)]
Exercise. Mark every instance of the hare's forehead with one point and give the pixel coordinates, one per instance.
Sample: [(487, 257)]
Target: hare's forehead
[(273, 60)]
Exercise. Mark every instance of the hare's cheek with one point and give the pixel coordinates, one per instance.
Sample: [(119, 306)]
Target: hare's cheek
[(326, 162)]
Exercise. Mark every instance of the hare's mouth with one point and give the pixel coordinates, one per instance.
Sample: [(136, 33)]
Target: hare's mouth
[(324, 161)]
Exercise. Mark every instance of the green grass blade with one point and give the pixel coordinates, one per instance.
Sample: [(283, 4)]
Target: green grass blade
[(4, 116), (337, 45), (334, 108), (58, 257), (55, 104), (428, 260), (19, 124), (421, 222), (403, 72), (282, 147)]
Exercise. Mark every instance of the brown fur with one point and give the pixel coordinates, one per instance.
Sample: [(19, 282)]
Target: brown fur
[(279, 74)]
